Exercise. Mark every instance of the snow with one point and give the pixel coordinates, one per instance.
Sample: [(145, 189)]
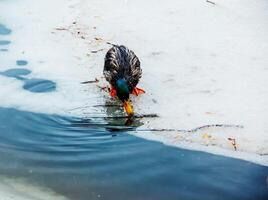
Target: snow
[(20, 189), (202, 64)]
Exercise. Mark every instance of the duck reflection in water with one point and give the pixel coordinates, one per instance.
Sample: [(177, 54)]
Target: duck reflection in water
[(116, 117)]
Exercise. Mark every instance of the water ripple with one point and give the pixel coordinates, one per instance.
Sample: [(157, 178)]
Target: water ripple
[(88, 157)]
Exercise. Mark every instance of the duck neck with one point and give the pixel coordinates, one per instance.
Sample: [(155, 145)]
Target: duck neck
[(122, 86)]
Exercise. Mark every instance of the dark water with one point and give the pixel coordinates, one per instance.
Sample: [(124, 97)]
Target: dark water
[(4, 42), (21, 62), (4, 31), (85, 159)]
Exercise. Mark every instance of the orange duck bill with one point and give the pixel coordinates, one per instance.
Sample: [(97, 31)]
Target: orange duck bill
[(128, 108)]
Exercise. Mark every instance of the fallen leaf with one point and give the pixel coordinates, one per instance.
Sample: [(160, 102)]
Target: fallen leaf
[(210, 113), (206, 136), (98, 39)]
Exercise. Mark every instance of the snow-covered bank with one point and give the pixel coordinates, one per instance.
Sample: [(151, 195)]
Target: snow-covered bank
[(18, 189), (51, 55), (202, 64)]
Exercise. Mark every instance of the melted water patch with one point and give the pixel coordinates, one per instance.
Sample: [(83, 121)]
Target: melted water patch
[(4, 50), (4, 30), (21, 62), (83, 160), (15, 73), (4, 42), (33, 84), (39, 85)]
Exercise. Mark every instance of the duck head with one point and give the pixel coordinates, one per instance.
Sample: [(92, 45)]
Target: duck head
[(122, 91)]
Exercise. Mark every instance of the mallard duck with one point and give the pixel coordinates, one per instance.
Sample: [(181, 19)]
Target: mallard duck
[(122, 70)]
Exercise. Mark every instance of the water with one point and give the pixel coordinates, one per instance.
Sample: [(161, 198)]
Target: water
[(4, 42), (98, 159), (30, 84), (86, 159), (21, 62), (4, 30)]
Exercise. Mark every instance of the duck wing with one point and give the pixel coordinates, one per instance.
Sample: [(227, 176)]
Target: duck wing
[(121, 62)]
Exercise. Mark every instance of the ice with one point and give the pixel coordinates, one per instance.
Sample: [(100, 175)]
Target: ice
[(20, 189)]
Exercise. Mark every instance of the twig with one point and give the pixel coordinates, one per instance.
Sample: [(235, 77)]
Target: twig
[(61, 29), (111, 44), (233, 142), (96, 51), (217, 125), (211, 2), (95, 81), (126, 117), (134, 117), (195, 129), (108, 105)]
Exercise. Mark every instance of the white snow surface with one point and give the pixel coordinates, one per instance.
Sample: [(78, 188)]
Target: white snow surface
[(203, 64)]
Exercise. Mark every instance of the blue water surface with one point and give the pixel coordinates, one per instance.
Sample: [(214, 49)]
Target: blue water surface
[(21, 62), (4, 42), (88, 159)]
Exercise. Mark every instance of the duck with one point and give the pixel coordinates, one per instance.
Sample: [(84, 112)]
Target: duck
[(122, 69)]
